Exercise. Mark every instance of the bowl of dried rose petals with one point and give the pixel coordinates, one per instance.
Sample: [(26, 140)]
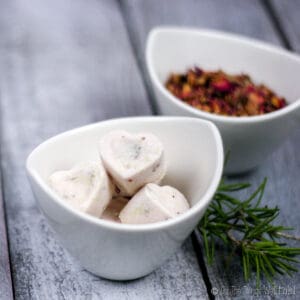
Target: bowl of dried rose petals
[(248, 88)]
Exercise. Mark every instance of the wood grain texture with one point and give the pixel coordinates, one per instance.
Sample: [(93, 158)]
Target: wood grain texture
[(6, 289), (65, 64), (289, 19), (242, 17), (282, 167)]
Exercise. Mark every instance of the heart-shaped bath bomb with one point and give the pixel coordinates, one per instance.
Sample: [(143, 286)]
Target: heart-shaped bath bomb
[(154, 203), (85, 187), (132, 160)]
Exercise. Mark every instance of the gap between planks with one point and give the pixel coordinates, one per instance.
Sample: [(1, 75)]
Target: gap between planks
[(272, 14), (139, 62), (7, 289), (55, 278), (153, 106), (278, 27)]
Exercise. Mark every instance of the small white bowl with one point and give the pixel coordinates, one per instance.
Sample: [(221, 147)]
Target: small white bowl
[(194, 152), (249, 139)]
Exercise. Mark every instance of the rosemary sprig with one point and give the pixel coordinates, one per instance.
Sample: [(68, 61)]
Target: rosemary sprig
[(246, 227)]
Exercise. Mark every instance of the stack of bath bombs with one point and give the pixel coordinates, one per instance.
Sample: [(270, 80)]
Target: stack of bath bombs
[(123, 186)]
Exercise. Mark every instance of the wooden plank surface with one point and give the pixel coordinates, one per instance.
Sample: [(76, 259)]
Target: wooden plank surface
[(282, 168), (243, 17), (57, 60), (288, 13), (6, 289), (66, 64)]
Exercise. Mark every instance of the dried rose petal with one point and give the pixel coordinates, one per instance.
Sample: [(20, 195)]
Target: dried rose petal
[(222, 85), (221, 93)]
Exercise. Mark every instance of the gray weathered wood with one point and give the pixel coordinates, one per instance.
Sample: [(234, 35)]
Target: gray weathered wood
[(6, 290), (282, 168), (289, 20), (66, 64), (243, 17)]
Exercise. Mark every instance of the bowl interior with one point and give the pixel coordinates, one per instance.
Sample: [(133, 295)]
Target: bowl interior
[(192, 147), (176, 50)]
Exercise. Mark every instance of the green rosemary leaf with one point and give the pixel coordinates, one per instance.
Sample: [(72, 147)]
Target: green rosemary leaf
[(225, 197), (264, 269), (206, 246), (261, 228), (285, 257), (284, 266), (246, 269), (233, 187), (261, 192), (268, 264), (257, 271), (247, 228), (212, 249)]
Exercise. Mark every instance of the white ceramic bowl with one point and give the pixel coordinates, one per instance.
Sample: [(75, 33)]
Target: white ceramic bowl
[(249, 139), (194, 152)]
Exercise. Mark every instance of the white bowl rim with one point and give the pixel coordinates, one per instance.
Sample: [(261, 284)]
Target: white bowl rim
[(247, 41), (204, 201)]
